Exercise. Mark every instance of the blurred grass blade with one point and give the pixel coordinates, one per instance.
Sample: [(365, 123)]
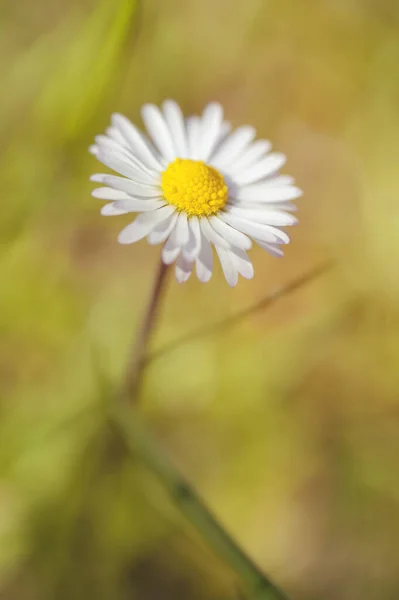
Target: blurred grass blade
[(232, 320), (139, 442), (85, 69)]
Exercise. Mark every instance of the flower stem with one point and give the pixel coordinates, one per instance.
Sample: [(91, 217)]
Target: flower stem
[(139, 442), (135, 366)]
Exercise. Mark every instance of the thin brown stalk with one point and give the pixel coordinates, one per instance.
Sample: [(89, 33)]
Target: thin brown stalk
[(135, 365)]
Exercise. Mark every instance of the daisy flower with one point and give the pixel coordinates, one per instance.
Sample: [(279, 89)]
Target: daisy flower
[(195, 184)]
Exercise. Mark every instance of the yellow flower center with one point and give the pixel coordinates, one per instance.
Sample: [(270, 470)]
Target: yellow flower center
[(194, 187)]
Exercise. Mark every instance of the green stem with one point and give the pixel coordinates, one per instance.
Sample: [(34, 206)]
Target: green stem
[(135, 367), (139, 442)]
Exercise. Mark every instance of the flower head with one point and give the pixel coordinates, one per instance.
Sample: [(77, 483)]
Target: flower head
[(195, 184)]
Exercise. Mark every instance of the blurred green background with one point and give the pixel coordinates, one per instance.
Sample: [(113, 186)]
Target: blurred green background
[(288, 421)]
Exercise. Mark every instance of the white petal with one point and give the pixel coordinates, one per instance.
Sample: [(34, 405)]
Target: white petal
[(131, 187), (286, 206), (224, 131), (251, 155), (211, 124), (106, 193), (273, 249), (229, 269), (162, 231), (266, 233), (124, 166), (231, 235), (184, 268), (136, 142), (143, 224), (260, 170), (263, 192), (172, 248), (112, 209), (158, 130), (193, 245), (263, 215), (178, 237), (122, 207), (193, 137), (106, 143), (280, 180), (143, 203), (242, 263), (182, 232), (99, 177), (115, 134), (211, 235), (140, 205), (175, 121), (93, 149), (204, 262), (232, 147)]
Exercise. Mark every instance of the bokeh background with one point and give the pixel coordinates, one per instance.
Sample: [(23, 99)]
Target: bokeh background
[(287, 422)]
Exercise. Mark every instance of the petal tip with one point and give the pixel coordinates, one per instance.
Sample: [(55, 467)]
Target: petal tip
[(97, 178), (123, 240), (115, 117), (169, 102), (232, 284)]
